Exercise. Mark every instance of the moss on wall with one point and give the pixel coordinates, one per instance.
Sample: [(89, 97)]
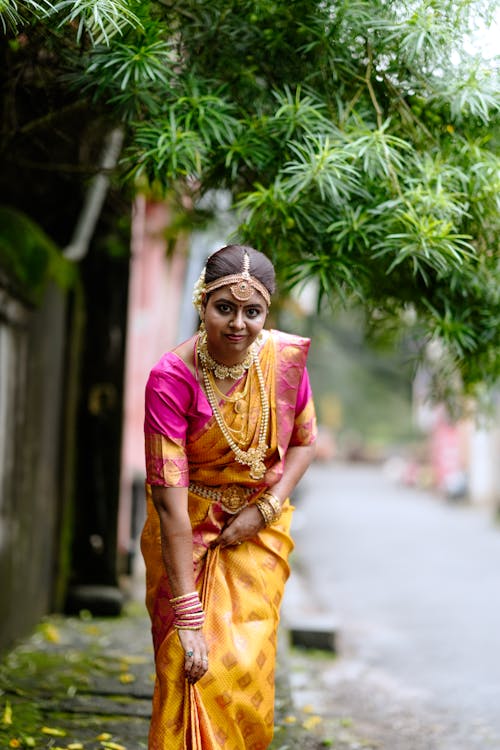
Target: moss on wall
[(29, 258)]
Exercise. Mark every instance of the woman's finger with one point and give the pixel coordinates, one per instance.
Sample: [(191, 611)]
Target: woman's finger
[(195, 665)]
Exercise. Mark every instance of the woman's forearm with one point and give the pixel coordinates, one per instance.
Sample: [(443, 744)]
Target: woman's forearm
[(297, 460), (176, 537)]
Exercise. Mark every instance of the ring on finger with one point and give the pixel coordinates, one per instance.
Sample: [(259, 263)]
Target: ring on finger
[(189, 654)]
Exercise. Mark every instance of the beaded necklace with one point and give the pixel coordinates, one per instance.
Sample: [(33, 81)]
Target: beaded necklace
[(253, 457), (221, 371)]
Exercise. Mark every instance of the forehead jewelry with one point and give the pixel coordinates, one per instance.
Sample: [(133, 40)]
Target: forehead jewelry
[(242, 285)]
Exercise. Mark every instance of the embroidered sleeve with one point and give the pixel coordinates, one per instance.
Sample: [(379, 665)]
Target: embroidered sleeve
[(305, 427), (165, 428), (166, 462)]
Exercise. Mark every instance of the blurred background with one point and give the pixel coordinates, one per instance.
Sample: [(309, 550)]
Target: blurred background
[(355, 143)]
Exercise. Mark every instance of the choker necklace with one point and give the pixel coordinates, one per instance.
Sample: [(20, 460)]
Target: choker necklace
[(221, 371), (253, 457)]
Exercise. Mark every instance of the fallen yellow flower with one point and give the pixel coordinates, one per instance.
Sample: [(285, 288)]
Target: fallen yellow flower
[(93, 630), (51, 633), (54, 732), (290, 719), (134, 659), (105, 736), (126, 678), (14, 742), (312, 722), (113, 746), (308, 709), (75, 746)]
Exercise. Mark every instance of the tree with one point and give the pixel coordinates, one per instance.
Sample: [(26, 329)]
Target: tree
[(358, 139)]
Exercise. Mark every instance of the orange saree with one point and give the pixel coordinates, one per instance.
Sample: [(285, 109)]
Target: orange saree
[(241, 587)]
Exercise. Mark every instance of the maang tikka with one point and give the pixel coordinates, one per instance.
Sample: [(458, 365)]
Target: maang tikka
[(242, 285)]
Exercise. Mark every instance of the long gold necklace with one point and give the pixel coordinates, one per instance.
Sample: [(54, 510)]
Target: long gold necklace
[(253, 457), (221, 371), (238, 398), (239, 402)]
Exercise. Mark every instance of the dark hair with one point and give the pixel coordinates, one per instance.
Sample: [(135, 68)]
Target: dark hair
[(229, 260)]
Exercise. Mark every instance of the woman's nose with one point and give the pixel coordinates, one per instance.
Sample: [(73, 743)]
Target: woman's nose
[(237, 319)]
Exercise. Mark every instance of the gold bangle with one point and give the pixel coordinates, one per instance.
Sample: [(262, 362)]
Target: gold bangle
[(265, 510), (270, 507), (275, 504)]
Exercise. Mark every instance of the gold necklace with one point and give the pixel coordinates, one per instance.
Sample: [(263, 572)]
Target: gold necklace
[(238, 399), (221, 371), (253, 457)]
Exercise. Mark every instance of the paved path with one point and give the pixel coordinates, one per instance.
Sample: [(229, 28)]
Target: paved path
[(415, 584)]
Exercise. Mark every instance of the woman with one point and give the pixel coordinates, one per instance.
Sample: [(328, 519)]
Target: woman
[(229, 430)]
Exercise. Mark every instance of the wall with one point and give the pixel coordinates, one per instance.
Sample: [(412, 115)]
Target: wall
[(31, 393)]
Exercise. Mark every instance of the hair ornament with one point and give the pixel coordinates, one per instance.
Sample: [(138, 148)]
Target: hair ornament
[(242, 285), (199, 290)]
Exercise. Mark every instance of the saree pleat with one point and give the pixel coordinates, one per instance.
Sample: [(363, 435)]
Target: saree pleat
[(232, 706)]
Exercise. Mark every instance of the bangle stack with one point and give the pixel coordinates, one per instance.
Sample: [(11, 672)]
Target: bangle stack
[(188, 612), (270, 507)]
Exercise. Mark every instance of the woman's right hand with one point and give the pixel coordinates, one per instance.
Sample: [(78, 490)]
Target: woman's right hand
[(195, 652)]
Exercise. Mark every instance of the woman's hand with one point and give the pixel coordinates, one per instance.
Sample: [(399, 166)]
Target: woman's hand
[(245, 525), (196, 654)]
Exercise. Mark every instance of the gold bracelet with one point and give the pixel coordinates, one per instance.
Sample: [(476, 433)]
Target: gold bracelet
[(274, 503), (270, 508), (266, 511)]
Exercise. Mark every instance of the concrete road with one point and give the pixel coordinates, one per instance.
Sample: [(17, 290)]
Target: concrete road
[(414, 584)]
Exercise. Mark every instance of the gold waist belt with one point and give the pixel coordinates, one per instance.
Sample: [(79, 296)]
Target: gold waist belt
[(232, 497)]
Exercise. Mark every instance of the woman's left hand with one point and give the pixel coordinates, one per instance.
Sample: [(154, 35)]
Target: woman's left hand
[(245, 525)]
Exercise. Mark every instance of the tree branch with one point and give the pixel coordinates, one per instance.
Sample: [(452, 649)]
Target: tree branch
[(371, 91), (40, 122)]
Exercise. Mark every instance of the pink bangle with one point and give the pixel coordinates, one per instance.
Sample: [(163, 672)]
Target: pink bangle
[(188, 612)]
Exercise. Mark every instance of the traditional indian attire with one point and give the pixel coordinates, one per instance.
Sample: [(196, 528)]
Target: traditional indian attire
[(241, 587)]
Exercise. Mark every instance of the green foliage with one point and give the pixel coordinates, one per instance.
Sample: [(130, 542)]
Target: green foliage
[(29, 257), (359, 140)]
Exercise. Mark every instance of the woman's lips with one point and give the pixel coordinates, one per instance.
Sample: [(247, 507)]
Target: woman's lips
[(234, 337)]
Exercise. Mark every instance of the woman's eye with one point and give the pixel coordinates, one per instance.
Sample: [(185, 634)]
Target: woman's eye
[(253, 312), (224, 308)]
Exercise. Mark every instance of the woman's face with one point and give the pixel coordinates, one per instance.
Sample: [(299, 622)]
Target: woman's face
[(232, 326)]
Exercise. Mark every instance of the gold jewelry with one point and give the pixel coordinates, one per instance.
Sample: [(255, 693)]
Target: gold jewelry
[(270, 508), (240, 405), (232, 497), (221, 371), (253, 457), (266, 511), (242, 285), (230, 398), (274, 503), (238, 400)]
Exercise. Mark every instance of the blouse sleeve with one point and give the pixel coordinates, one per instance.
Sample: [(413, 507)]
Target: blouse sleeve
[(165, 428), (305, 428)]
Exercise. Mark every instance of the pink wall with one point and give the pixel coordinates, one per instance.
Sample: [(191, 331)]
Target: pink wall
[(155, 293)]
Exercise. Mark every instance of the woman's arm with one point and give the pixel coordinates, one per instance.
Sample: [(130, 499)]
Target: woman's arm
[(249, 521), (297, 460), (177, 553)]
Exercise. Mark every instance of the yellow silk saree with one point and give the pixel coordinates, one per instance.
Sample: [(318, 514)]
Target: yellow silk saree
[(241, 587)]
